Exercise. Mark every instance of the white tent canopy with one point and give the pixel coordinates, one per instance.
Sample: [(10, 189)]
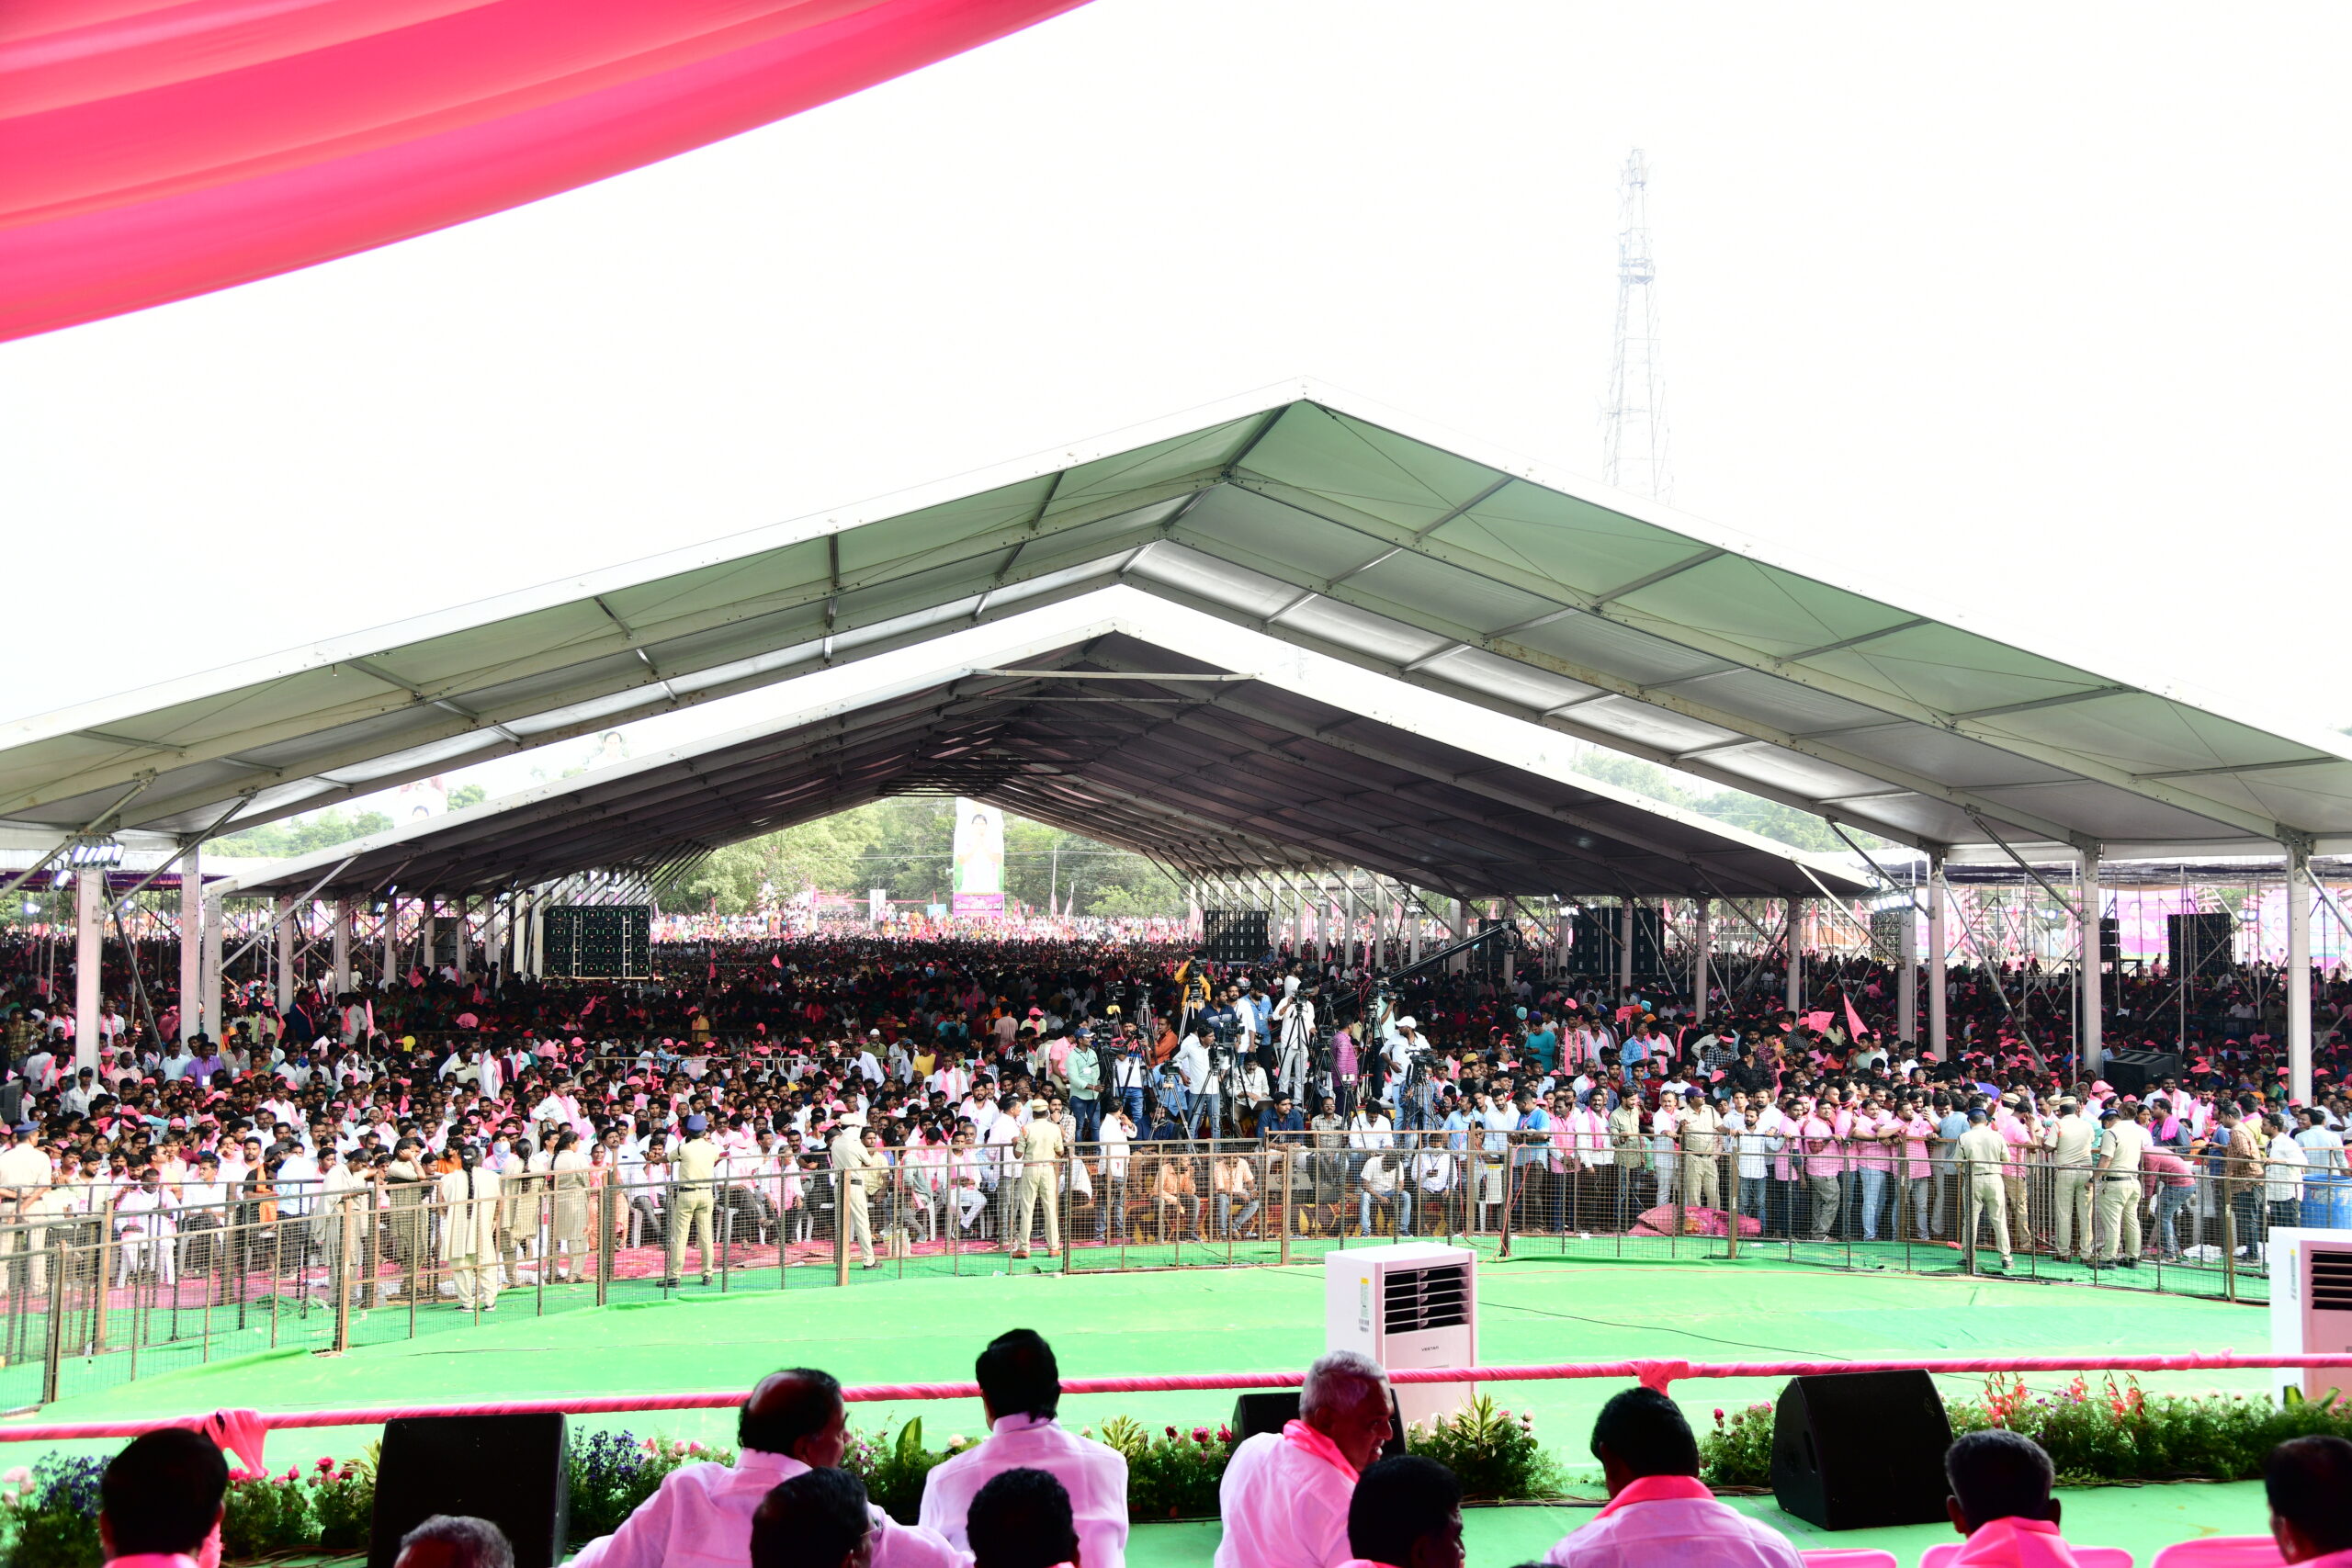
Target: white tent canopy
[(1481, 577), (1101, 730), (1308, 518)]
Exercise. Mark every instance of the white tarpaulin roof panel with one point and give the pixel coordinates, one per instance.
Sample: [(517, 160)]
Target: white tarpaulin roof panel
[(1421, 556)]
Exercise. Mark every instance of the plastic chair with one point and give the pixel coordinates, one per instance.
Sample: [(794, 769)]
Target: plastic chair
[(2221, 1552), (1848, 1557), (2087, 1556)]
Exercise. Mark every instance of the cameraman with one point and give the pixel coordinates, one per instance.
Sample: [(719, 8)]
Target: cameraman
[(1130, 1073), (1294, 1017), (1403, 1050)]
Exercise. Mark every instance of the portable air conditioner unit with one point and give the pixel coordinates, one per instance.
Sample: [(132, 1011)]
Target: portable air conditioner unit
[(1412, 1304), (2311, 1307)]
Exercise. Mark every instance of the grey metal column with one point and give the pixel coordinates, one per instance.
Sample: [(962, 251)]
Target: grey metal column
[(1938, 943), (1624, 946), (283, 929), (1701, 939), (89, 941), (2299, 971), (343, 918), (2093, 1002), (193, 1018)]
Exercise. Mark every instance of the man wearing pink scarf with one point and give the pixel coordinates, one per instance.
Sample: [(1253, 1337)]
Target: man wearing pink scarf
[(1659, 1511), (1285, 1497), (2000, 1500), (159, 1503)]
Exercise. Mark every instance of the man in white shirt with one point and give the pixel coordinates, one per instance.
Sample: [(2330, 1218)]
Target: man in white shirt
[(701, 1516), (1192, 1064), (1021, 1389), (1285, 1495), (1659, 1511)]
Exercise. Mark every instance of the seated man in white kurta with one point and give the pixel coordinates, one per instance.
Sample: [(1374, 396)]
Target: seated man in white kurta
[(1021, 1389)]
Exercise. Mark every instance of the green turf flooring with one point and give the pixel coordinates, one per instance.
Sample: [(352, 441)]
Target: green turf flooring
[(1533, 1309)]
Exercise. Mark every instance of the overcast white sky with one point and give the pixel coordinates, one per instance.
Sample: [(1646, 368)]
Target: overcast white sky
[(2040, 305)]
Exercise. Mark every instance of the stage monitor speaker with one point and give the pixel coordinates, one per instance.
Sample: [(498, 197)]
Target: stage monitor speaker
[(510, 1470), (1859, 1450), (2137, 1072), (12, 1102), (2110, 940), (1270, 1411)]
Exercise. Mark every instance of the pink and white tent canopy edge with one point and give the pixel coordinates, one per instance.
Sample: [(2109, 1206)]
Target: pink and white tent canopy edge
[(152, 149)]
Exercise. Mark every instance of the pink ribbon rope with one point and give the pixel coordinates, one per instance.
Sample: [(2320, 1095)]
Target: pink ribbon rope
[(1657, 1374)]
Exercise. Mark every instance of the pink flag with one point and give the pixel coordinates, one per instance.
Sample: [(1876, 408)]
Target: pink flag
[(1854, 1021), (1817, 1021)]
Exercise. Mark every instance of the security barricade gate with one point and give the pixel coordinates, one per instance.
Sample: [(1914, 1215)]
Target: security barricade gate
[(99, 1286)]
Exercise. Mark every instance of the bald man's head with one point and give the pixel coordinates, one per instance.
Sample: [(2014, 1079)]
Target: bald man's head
[(796, 1412)]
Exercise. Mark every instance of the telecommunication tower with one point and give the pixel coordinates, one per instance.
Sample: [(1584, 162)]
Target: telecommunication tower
[(1632, 420)]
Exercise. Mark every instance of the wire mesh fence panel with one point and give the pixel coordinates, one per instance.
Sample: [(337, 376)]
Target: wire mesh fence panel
[(101, 1286)]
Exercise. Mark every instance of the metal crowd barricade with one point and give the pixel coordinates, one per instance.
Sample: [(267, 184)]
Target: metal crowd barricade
[(97, 1290)]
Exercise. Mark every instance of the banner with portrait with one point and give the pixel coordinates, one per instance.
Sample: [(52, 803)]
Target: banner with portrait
[(979, 860)]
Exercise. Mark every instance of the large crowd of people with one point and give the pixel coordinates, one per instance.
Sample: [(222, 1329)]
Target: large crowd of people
[(1325, 1491), (973, 1088)]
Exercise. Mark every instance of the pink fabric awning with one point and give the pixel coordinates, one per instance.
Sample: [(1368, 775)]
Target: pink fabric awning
[(150, 149)]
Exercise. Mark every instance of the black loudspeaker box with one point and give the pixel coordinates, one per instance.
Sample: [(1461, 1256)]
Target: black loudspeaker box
[(1273, 1410), (510, 1470), (1861, 1450), (2137, 1072)]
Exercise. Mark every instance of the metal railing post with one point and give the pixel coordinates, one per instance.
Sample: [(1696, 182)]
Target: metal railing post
[(609, 1219), (1969, 1217), (2229, 1242), (1727, 1191), (841, 1227), (53, 1352), (1511, 1194), (347, 1223), (1288, 1157), (1681, 1173), (106, 1246)]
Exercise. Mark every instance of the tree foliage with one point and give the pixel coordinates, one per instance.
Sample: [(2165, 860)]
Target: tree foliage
[(1765, 819), (906, 846), (300, 835)]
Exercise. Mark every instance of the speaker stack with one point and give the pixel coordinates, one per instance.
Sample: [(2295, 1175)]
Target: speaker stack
[(2137, 1072), (1235, 936), (2201, 946)]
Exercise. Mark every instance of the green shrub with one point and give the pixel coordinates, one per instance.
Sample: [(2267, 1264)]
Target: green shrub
[(343, 1502), (1491, 1452), (1173, 1475), (894, 1468), (51, 1511), (612, 1472), (267, 1517), (1738, 1450)]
